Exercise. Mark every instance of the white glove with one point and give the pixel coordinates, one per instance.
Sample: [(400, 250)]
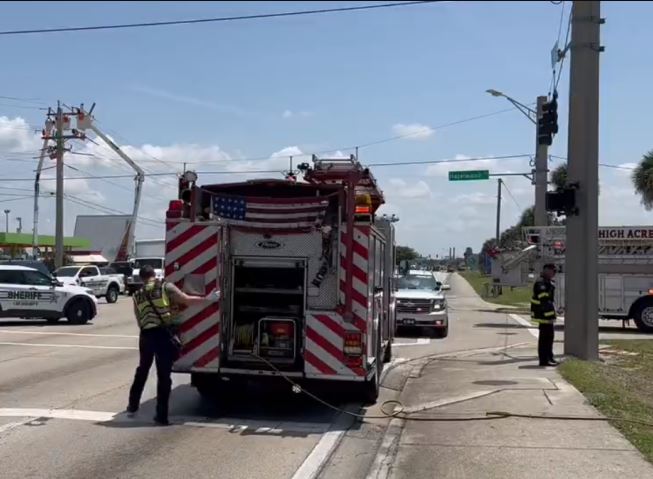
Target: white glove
[(213, 296)]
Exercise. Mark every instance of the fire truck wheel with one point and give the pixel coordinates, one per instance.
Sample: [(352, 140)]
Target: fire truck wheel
[(371, 389), (387, 356), (644, 316)]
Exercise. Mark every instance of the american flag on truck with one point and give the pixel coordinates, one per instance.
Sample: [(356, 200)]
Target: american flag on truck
[(271, 213)]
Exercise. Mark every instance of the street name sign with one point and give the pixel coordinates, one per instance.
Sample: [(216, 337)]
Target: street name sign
[(469, 175)]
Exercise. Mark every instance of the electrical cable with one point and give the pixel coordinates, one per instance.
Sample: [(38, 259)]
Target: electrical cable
[(217, 19), (511, 196), (399, 410)]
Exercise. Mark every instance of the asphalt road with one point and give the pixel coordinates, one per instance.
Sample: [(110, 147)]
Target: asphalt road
[(62, 388)]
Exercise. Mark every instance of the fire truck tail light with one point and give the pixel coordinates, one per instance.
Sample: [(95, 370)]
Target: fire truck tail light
[(650, 291), (353, 344)]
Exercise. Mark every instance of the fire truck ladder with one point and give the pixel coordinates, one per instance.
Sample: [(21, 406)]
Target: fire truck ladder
[(617, 254), (358, 182)]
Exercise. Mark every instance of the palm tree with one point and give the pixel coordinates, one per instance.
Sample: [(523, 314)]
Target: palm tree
[(643, 180)]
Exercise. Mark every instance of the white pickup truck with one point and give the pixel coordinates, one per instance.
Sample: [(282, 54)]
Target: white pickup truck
[(107, 286)]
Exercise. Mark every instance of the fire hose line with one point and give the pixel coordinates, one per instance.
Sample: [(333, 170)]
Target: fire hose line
[(399, 412)]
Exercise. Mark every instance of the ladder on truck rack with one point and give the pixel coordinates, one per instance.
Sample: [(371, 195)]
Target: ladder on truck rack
[(622, 249), (347, 172), (359, 186)]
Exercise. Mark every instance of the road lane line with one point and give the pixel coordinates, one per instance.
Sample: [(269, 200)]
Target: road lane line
[(231, 424), (130, 336), (529, 326), (75, 414), (319, 456), (83, 346)]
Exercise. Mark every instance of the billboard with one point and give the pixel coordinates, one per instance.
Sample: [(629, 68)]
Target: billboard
[(106, 232)]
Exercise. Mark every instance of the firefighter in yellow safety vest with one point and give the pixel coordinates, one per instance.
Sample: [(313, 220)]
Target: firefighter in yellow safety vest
[(154, 307), (543, 313)]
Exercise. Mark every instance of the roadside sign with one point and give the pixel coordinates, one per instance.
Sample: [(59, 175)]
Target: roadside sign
[(469, 175)]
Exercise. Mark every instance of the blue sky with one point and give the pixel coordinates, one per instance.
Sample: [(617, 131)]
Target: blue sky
[(223, 92)]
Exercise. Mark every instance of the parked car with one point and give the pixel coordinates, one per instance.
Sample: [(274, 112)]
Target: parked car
[(29, 263), (112, 273), (89, 276), (29, 293)]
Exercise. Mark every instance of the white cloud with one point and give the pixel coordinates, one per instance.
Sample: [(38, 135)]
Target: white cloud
[(402, 189), (287, 114), (17, 136), (413, 131)]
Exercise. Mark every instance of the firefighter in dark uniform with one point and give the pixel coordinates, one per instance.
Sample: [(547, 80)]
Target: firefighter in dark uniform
[(543, 313), (153, 307)]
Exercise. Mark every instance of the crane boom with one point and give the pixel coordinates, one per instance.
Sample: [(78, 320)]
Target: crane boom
[(37, 186), (86, 121)]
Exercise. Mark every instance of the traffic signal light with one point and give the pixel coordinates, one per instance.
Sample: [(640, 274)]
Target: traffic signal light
[(547, 125)]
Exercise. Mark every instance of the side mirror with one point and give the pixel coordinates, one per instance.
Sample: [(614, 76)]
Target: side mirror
[(55, 282), (446, 287)]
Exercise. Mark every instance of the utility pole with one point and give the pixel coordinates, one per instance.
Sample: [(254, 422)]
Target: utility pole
[(498, 235), (7, 220), (59, 236), (581, 256), (541, 170)]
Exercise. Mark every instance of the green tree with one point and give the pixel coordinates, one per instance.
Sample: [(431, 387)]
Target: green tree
[(559, 176), (406, 253), (643, 180)]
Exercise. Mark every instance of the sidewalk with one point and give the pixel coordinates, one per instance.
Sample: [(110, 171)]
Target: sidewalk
[(471, 384)]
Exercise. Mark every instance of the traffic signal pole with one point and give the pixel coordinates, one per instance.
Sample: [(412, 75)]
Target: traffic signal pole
[(581, 256), (540, 174)]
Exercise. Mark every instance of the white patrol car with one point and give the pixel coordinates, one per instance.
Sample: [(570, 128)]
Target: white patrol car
[(89, 276), (28, 293), (421, 303)]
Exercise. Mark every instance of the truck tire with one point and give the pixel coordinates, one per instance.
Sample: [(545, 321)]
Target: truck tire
[(78, 312), (644, 316), (387, 355), (112, 294)]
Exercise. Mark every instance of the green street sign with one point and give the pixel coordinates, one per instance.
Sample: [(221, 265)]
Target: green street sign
[(469, 175)]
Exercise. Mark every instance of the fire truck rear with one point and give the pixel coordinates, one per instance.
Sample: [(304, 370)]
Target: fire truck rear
[(305, 271)]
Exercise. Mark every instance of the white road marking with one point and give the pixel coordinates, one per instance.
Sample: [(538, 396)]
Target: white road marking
[(418, 342), (84, 346), (75, 414), (7, 331), (319, 455), (529, 326), (231, 424)]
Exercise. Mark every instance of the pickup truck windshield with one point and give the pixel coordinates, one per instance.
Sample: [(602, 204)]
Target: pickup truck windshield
[(418, 282), (67, 271)]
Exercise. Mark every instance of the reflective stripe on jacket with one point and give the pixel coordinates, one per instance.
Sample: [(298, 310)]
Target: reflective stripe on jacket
[(152, 305)]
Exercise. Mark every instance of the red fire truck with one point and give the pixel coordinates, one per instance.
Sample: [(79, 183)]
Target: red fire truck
[(305, 271)]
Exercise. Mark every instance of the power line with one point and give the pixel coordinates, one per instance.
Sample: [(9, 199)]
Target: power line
[(258, 16), (97, 177), (435, 162), (511, 196)]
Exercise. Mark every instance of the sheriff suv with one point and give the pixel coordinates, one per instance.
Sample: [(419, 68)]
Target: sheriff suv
[(421, 303), (28, 293)]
